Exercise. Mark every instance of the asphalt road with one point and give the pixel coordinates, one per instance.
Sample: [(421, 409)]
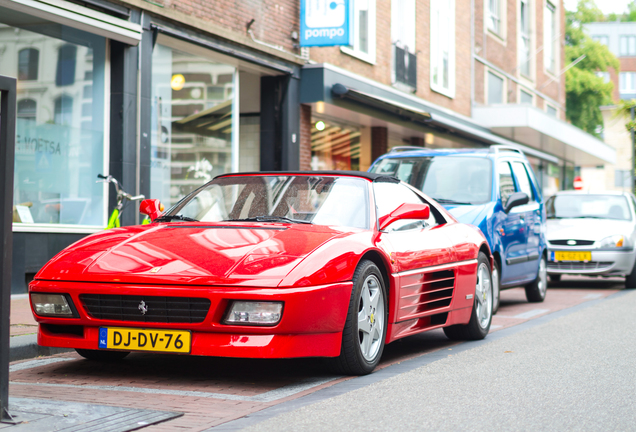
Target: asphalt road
[(575, 372)]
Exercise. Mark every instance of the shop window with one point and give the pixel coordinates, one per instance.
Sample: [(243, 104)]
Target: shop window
[(443, 46), (525, 49), (59, 145), (28, 61), (27, 109), (550, 37), (621, 178), (363, 31), (193, 121), (495, 89), (334, 146), (65, 75), (403, 38)]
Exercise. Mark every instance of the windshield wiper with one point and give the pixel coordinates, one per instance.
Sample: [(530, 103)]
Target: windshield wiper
[(267, 218), (168, 218), (450, 201)]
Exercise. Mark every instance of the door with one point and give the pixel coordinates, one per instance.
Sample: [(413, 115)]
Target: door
[(511, 230), (532, 215)]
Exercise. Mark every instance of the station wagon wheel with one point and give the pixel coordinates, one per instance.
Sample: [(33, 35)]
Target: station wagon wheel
[(365, 327), (535, 291), (102, 355), (481, 317)]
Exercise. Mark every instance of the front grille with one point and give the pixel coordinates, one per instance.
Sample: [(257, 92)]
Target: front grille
[(565, 242), (590, 265), (159, 309)]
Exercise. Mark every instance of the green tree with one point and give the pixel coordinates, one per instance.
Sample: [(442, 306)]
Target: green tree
[(585, 91)]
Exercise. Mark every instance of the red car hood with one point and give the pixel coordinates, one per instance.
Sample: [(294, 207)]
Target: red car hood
[(180, 253)]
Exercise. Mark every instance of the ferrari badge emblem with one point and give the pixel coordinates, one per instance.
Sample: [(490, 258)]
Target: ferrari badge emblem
[(372, 318), (143, 307), (155, 269)]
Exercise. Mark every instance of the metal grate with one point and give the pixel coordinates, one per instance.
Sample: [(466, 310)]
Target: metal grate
[(577, 242), (158, 309), (590, 265)]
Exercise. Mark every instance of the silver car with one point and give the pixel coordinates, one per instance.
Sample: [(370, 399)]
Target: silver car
[(593, 234)]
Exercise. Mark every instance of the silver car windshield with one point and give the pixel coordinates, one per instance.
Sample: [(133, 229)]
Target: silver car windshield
[(596, 206), (321, 200), (446, 179)]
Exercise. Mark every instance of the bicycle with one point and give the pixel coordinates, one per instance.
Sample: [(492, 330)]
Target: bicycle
[(122, 199)]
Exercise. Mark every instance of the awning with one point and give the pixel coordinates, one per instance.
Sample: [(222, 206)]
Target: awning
[(80, 17), (535, 128)]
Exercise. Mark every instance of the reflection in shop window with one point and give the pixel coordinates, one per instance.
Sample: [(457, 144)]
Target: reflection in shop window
[(28, 60), (59, 149), (334, 147), (192, 115)]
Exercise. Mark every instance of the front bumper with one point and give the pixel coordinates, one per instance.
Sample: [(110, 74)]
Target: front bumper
[(311, 324), (603, 263)]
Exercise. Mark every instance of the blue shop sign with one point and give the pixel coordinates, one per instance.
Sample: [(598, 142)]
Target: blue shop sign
[(326, 22)]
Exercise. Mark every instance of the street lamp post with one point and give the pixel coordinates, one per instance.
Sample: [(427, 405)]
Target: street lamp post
[(7, 153)]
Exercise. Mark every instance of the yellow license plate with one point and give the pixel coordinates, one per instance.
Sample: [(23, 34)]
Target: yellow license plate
[(132, 339), (572, 256)]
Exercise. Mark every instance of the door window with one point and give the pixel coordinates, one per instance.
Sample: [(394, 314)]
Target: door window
[(522, 179), (506, 184)]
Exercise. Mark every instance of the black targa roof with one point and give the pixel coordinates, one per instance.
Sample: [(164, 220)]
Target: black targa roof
[(363, 174)]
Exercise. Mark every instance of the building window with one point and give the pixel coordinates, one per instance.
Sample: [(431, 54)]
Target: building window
[(550, 37), (627, 46), (552, 111), (193, 122), (494, 15), (495, 89), (443, 46), (363, 31), (604, 75), (403, 38), (28, 60), (627, 82), (66, 65), (59, 148), (525, 37), (27, 109), (602, 39), (621, 179), (525, 97)]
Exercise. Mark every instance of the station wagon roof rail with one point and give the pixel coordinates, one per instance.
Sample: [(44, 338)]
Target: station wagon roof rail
[(406, 148), (498, 148)]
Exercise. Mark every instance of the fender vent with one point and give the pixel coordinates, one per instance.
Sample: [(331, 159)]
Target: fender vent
[(427, 292)]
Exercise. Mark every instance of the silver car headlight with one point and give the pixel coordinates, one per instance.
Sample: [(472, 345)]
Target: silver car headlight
[(615, 241)]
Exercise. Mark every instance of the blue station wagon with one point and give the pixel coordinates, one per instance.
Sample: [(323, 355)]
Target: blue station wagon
[(494, 189)]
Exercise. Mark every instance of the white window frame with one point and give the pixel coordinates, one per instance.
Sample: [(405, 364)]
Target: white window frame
[(504, 93), (529, 57), (603, 74), (402, 17), (354, 50), (547, 106), (551, 39), (500, 15), (629, 51), (521, 89), (622, 88), (602, 39), (434, 26)]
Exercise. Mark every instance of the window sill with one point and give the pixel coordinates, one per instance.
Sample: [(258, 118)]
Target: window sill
[(367, 58), (498, 37), (443, 91), (403, 87)]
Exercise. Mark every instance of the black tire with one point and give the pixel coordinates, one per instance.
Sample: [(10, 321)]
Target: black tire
[(352, 361), (555, 277), (104, 356), (480, 320), (536, 291), (496, 287), (630, 279)]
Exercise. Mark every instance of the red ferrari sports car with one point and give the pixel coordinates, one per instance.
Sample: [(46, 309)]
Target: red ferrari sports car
[(271, 265)]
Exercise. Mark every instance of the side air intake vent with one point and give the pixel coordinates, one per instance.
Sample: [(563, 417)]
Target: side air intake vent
[(426, 293)]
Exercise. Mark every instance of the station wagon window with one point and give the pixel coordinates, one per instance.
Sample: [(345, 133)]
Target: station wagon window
[(389, 196), (521, 174), (506, 184)]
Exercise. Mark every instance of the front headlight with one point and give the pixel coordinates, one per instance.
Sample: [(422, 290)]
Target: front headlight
[(615, 241), (254, 313), (51, 305)]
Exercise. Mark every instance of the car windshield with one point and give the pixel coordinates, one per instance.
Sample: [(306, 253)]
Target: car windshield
[(321, 200), (588, 206), (447, 179)]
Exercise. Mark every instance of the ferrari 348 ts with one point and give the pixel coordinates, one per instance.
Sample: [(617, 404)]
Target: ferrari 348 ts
[(271, 265)]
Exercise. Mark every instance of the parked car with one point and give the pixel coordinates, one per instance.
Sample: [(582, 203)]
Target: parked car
[(492, 188), (275, 265), (593, 234)]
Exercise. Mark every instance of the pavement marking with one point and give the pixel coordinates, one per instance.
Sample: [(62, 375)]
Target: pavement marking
[(531, 313), (270, 396), (593, 296), (36, 363)]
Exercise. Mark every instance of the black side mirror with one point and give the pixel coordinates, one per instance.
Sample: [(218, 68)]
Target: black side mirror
[(516, 199)]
